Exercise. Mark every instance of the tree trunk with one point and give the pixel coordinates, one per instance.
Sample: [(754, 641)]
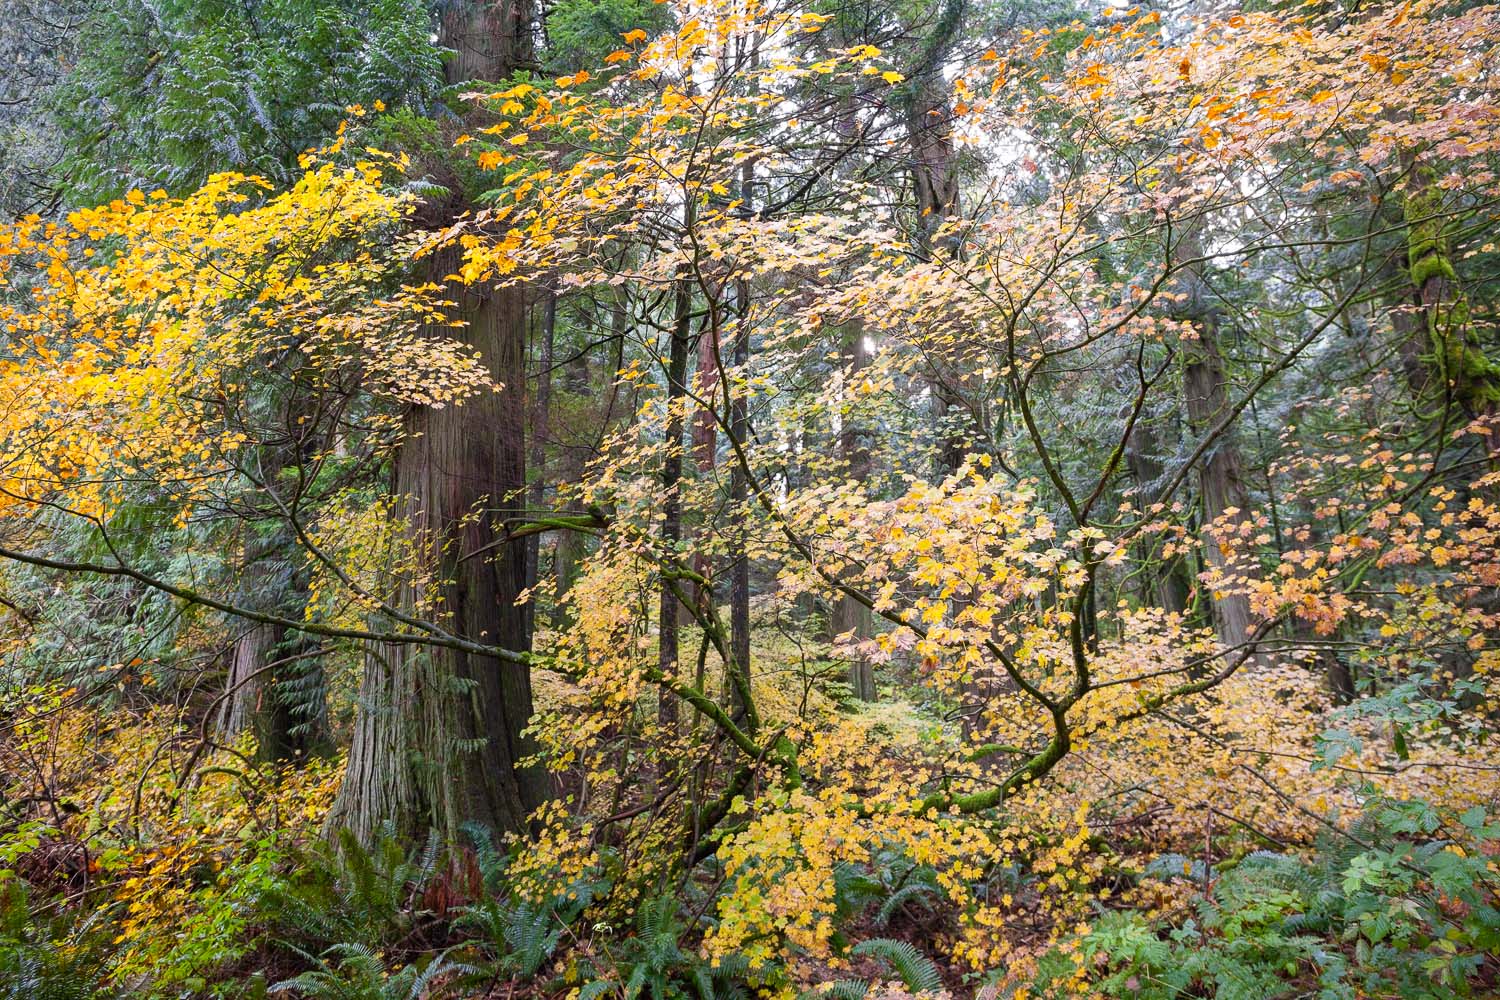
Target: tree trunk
[(541, 412), (567, 564), (739, 429), (252, 703), (1442, 354), (571, 547), (739, 569), (1220, 476), (438, 742), (934, 158), (848, 616), (705, 438), (274, 686), (1167, 584), (671, 481), (934, 170), (275, 692)]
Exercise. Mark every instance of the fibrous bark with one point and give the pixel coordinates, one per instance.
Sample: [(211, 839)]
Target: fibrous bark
[(1223, 493), (438, 741)]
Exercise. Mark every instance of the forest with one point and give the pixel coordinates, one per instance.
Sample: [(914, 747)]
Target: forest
[(749, 499)]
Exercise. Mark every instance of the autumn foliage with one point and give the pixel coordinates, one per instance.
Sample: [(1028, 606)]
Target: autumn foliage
[(1011, 509)]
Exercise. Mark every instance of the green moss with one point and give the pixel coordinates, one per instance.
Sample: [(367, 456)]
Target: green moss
[(1432, 265), (1460, 362), (1475, 377)]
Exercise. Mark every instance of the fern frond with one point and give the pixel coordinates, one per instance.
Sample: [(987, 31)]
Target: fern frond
[(595, 989), (843, 989), (915, 970), (915, 892)]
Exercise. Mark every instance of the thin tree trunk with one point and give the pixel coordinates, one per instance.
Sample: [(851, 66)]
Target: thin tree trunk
[(739, 568), (572, 547), (848, 616), (671, 481), (739, 428), (1167, 584), (705, 440), (567, 563), (934, 173), (252, 704), (1452, 368), (274, 692), (540, 417)]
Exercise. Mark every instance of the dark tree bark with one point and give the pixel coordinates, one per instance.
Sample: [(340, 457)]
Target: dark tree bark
[(740, 562), (1166, 584), (671, 481), (274, 685), (438, 742), (739, 429), (739, 568), (935, 183), (705, 439), (934, 157), (571, 547), (252, 702)]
